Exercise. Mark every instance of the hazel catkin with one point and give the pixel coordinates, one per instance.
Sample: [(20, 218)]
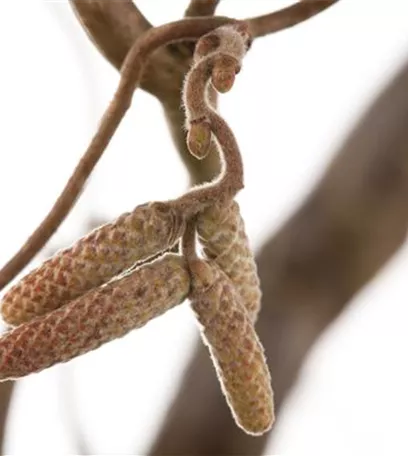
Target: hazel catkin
[(97, 317), (234, 347), (221, 232), (92, 261)]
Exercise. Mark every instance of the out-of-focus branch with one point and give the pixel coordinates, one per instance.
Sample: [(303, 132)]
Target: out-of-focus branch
[(113, 26), (349, 227), (286, 17), (201, 8), (6, 390)]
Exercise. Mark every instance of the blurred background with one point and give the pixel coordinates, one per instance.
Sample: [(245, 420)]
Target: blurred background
[(298, 96)]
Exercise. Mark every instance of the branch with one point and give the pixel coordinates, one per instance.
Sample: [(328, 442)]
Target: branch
[(201, 8), (113, 26), (349, 227), (6, 391), (132, 68), (286, 17)]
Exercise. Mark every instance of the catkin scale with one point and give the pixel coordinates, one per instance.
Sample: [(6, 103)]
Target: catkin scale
[(101, 315), (234, 347), (92, 261), (221, 232)]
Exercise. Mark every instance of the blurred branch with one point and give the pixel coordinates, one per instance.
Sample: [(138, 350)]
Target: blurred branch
[(347, 229), (201, 8), (286, 17), (6, 391), (113, 26)]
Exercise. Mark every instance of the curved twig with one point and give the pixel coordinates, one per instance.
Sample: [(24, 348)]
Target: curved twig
[(218, 57), (130, 77), (287, 17)]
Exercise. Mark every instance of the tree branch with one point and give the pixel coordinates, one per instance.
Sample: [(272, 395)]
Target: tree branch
[(287, 17), (349, 227), (6, 391), (113, 26), (201, 8)]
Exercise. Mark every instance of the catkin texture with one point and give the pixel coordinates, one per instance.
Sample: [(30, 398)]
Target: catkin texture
[(234, 346), (92, 261), (97, 317), (221, 232)]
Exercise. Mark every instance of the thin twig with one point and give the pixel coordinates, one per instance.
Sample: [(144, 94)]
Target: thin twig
[(187, 29), (201, 8), (286, 17)]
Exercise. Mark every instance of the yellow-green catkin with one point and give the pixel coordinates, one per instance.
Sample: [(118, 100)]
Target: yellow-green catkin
[(235, 349), (92, 261), (97, 317), (221, 232)]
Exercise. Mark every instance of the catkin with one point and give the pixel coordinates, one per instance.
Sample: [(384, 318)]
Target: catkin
[(221, 232), (97, 317), (92, 261), (234, 346)]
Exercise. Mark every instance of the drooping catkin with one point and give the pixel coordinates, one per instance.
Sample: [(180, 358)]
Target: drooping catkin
[(92, 261), (234, 346), (221, 232), (97, 317)]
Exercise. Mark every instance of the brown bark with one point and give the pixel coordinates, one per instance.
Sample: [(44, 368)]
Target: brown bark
[(349, 227)]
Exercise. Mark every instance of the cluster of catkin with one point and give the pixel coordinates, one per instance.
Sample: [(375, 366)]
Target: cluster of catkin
[(119, 277)]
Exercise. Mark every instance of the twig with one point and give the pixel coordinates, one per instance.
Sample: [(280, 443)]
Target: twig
[(201, 8), (130, 77), (287, 17), (218, 58)]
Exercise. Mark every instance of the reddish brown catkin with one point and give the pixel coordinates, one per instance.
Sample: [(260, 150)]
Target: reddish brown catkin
[(92, 261), (97, 317), (221, 232), (234, 346)]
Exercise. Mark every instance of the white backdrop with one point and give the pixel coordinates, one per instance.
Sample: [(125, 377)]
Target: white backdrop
[(298, 94)]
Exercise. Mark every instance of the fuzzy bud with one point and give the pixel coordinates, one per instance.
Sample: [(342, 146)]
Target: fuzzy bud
[(92, 261), (223, 73), (199, 139), (97, 317), (235, 349)]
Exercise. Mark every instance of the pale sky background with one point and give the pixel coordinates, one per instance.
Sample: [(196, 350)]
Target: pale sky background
[(299, 92)]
